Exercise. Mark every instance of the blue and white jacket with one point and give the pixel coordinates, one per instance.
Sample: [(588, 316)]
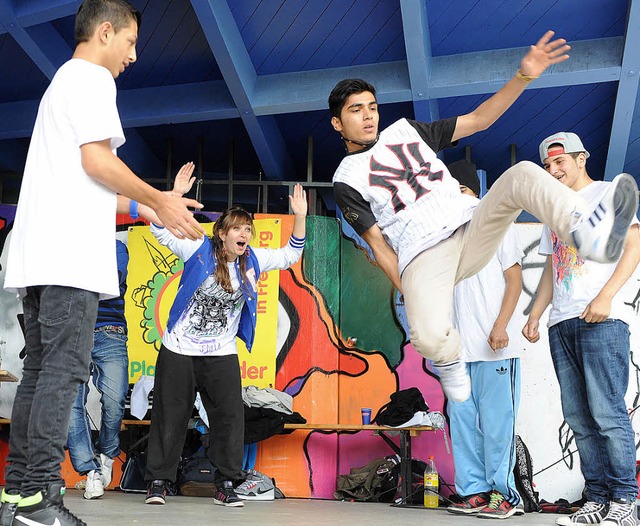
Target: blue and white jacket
[(200, 263)]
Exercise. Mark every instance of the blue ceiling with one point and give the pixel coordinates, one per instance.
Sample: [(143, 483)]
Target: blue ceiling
[(241, 85)]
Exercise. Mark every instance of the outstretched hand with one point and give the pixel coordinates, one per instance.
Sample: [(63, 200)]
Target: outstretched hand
[(298, 201), (545, 53), (184, 179), (177, 218)]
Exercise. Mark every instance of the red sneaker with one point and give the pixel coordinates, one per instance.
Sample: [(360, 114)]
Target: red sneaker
[(470, 504), (498, 507)]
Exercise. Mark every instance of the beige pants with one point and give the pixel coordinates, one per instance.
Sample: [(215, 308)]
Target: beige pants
[(428, 281)]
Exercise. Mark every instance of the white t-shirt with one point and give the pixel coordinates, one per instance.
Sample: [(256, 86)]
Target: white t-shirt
[(64, 225), (577, 281), (209, 324), (477, 301)]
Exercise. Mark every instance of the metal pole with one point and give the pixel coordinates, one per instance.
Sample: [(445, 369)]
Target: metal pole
[(169, 186), (231, 170)]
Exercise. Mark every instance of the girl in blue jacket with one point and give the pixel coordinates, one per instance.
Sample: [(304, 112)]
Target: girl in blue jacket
[(216, 301)]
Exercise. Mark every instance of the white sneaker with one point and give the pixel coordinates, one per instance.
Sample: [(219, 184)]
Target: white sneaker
[(455, 380), (95, 485), (257, 486), (106, 468), (620, 514), (590, 513), (600, 237)]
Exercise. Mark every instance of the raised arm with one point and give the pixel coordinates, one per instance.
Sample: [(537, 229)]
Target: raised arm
[(101, 164), (299, 208), (385, 256), (545, 53)]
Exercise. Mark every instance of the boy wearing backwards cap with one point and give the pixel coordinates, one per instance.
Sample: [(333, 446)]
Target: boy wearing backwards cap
[(589, 342)]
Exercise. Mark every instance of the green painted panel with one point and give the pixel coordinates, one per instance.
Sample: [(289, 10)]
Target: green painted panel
[(321, 263), (367, 304)]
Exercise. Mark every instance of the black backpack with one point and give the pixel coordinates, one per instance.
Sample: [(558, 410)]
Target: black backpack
[(403, 405), (196, 477), (523, 473)]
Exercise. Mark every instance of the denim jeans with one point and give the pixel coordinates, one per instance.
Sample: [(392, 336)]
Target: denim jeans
[(592, 364), (59, 323), (109, 363)]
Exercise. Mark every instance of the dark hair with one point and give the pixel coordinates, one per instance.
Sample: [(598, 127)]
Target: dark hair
[(230, 217), (92, 13), (343, 90)]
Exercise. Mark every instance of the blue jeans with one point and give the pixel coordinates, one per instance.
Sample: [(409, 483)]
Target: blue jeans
[(592, 364), (59, 323), (110, 376)]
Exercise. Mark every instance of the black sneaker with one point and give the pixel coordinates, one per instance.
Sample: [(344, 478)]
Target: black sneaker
[(156, 492), (225, 495), (8, 507), (48, 511)]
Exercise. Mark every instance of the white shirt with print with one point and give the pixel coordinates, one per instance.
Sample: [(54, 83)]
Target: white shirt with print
[(576, 282), (209, 324)]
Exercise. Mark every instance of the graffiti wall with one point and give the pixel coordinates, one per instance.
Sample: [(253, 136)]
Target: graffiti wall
[(335, 338)]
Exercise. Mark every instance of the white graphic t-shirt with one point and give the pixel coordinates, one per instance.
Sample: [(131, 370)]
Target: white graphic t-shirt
[(208, 326), (576, 282)]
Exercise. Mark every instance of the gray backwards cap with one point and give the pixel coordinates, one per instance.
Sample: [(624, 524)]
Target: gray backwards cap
[(570, 143)]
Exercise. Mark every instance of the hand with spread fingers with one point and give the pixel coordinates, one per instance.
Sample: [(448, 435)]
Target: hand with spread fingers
[(543, 54), (299, 201), (184, 179)]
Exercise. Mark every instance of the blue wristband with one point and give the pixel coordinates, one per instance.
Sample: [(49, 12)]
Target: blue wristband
[(133, 209)]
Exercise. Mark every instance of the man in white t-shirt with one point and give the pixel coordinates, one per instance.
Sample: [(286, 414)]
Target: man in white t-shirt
[(483, 428), (62, 258), (425, 235), (589, 342)]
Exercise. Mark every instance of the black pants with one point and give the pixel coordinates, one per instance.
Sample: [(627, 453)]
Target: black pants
[(177, 380)]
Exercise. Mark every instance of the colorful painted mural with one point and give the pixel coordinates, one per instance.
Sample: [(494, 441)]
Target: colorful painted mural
[(340, 343)]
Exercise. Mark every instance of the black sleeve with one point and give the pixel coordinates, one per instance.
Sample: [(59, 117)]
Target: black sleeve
[(354, 208), (437, 134)]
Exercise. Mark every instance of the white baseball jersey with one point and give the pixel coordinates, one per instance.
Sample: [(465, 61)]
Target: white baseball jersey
[(400, 184)]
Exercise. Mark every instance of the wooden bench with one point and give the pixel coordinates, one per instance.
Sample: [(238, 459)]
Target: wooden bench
[(403, 451)]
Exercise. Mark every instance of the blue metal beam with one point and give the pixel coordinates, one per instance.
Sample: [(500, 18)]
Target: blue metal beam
[(225, 41), (483, 72), (627, 96), (203, 101), (592, 61), (417, 43), (25, 40), (33, 12)]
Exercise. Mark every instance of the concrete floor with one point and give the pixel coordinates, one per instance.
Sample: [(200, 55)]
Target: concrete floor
[(122, 509)]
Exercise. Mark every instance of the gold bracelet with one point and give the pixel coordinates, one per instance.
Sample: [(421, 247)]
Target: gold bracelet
[(523, 77)]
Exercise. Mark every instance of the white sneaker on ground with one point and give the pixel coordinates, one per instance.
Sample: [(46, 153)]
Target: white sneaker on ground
[(106, 468), (621, 513), (590, 513), (257, 486), (600, 237), (455, 380), (95, 485)]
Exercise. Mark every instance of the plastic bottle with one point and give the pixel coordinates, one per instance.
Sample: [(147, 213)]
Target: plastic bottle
[(431, 484)]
